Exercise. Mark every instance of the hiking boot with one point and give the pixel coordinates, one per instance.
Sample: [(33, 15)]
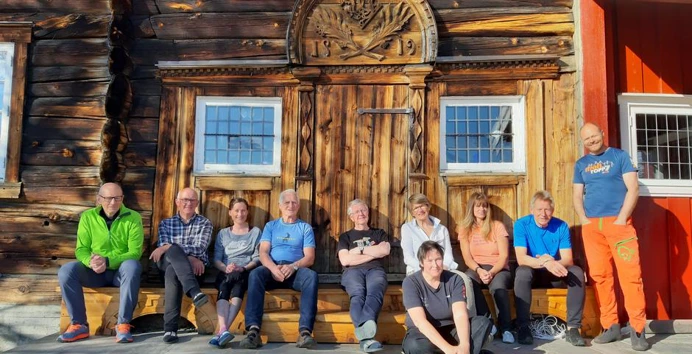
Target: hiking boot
[(122, 333), (305, 340), (74, 332), (525, 336), (170, 337), (200, 299), (507, 337), (252, 340), (639, 342), (572, 336), (609, 335)]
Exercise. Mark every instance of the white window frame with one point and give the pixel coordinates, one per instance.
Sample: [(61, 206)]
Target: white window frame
[(633, 104), (7, 47), (518, 104), (200, 168)]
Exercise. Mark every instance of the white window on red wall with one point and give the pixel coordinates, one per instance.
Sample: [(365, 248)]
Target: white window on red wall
[(656, 131)]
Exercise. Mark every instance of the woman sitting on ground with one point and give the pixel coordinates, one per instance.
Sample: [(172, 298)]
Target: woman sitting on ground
[(437, 320), (485, 247), (236, 252)]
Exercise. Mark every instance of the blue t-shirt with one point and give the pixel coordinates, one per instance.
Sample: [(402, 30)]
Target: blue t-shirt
[(539, 241), (288, 240), (604, 187)]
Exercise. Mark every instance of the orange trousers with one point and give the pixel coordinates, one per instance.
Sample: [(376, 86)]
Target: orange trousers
[(605, 243)]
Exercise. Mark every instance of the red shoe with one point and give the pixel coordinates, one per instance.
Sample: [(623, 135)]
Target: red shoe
[(73, 333), (122, 333)]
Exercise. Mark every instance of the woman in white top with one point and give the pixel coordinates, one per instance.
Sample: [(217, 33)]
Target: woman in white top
[(423, 228)]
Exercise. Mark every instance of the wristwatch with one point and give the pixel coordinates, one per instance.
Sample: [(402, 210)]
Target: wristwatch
[(294, 266)]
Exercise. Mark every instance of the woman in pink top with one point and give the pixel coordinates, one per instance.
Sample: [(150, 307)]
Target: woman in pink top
[(485, 247)]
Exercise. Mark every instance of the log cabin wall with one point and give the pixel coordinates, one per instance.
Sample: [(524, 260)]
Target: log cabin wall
[(68, 78)]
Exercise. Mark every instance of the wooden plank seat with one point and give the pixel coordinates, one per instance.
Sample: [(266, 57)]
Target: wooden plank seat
[(280, 321)]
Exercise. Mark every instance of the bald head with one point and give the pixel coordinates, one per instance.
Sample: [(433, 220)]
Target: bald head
[(186, 201), (111, 198), (592, 137)]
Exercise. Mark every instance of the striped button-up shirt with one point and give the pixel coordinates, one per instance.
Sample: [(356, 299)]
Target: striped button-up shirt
[(193, 237)]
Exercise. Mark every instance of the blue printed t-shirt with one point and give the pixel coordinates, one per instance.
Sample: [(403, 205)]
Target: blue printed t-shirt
[(539, 241), (288, 240), (604, 187)]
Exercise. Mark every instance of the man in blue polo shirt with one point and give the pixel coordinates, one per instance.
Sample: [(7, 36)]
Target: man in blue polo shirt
[(544, 253), (287, 249)]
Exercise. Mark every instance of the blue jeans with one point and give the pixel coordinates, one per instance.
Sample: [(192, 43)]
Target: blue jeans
[(75, 275), (304, 280), (366, 288)]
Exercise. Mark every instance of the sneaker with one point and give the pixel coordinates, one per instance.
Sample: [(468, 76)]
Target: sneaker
[(366, 331), (122, 333), (214, 341), (74, 332), (252, 340), (493, 330), (525, 336), (370, 346), (200, 299), (170, 337), (572, 336), (224, 338), (507, 337), (639, 342), (609, 335), (305, 340)]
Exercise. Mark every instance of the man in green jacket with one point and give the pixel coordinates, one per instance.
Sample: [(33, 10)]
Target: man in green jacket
[(109, 245)]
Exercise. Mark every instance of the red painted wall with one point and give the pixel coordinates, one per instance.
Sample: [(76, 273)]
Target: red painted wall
[(646, 47)]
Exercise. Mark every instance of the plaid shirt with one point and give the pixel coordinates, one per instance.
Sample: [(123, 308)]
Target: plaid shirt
[(193, 237)]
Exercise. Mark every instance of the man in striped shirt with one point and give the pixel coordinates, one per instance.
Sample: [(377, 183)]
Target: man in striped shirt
[(181, 256)]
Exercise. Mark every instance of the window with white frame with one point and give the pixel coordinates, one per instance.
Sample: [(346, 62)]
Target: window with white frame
[(238, 135), (656, 131), (482, 134), (6, 59)]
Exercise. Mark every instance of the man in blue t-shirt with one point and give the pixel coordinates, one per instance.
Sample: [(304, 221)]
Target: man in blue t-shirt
[(287, 249), (544, 253), (606, 190)]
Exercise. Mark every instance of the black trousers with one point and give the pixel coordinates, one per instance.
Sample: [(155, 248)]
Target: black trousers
[(417, 343), (527, 276), (178, 279)]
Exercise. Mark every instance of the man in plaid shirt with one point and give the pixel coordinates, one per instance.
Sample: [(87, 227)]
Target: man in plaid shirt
[(181, 255)]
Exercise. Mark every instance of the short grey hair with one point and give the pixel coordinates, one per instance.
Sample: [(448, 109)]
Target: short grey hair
[(283, 195), (543, 195), (353, 203)]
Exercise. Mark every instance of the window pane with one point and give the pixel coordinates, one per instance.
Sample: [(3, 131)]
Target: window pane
[(235, 113), (209, 143), (222, 128), (485, 156), (245, 128), (451, 142), (222, 142), (450, 111), (663, 146), (234, 143), (269, 114), (267, 158), (223, 112), (210, 156), (256, 128), (462, 156), (451, 156), (245, 158), (256, 157), (221, 157), (451, 127), (245, 114), (233, 157)]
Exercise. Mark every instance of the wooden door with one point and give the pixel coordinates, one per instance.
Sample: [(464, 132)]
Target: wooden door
[(360, 156)]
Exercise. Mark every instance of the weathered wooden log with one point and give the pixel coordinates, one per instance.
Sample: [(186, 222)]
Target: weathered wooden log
[(120, 30), (469, 4), (84, 153), (67, 106), (67, 73), (121, 7), (86, 196), (141, 26), (175, 6), (119, 61), (32, 265), (68, 89), (57, 6), (519, 21), (72, 26), (112, 167), (119, 98), (151, 51), (145, 7), (80, 176), (145, 106), (37, 129), (29, 289), (272, 25), (457, 46), (38, 245), (55, 211), (114, 136), (87, 52), (146, 87)]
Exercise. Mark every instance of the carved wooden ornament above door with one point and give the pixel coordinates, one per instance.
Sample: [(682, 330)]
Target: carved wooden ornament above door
[(362, 32)]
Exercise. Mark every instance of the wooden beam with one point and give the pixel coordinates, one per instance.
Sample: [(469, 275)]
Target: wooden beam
[(232, 183), (482, 180)]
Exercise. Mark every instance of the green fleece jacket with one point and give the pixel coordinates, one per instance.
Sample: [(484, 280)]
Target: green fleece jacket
[(122, 242)]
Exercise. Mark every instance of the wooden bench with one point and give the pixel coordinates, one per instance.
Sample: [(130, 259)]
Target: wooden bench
[(280, 321)]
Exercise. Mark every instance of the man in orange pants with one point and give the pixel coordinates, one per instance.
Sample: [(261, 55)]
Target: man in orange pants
[(605, 194)]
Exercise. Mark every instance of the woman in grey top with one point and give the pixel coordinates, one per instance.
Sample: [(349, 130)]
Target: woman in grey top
[(436, 317), (236, 252)]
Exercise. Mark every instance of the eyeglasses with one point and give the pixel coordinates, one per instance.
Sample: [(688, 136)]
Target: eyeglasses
[(117, 199), (187, 200)]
